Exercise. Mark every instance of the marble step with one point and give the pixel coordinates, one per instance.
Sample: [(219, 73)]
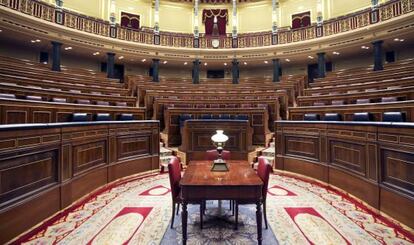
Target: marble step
[(269, 152), (165, 156)]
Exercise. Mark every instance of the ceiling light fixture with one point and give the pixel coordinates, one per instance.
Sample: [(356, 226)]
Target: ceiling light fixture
[(96, 53), (336, 53), (165, 62), (1, 30), (68, 48), (185, 63), (401, 40), (266, 61), (225, 64), (365, 47), (143, 60), (310, 57), (396, 39), (287, 60), (205, 63), (245, 63), (121, 57)]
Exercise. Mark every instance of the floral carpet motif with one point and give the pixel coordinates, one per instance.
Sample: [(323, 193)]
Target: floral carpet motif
[(138, 211)]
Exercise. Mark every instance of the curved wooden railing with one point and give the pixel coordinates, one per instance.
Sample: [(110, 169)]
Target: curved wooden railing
[(370, 161), (44, 168), (45, 11)]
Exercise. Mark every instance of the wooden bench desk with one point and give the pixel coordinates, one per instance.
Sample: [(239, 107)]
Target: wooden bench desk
[(240, 183)]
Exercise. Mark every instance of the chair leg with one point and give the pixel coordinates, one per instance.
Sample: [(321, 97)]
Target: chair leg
[(233, 207), (237, 216), (178, 208), (201, 214), (173, 214), (230, 202), (264, 213)]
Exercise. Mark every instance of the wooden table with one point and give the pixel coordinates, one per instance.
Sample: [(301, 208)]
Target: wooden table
[(240, 183)]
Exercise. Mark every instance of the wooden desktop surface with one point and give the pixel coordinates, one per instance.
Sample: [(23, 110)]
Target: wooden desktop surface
[(240, 183), (198, 173)]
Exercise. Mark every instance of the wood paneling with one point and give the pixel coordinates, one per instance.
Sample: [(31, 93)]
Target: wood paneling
[(14, 111), (400, 206), (307, 147), (348, 155), (361, 188), (33, 210), (258, 118), (196, 138), (133, 146), (48, 167), (397, 169), (89, 155), (26, 173), (372, 161), (347, 111)]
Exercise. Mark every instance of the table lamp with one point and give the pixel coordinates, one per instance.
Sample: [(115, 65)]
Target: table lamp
[(219, 140)]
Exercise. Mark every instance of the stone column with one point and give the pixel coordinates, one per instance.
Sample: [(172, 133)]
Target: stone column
[(235, 71), (56, 56), (276, 68), (155, 70), (110, 65), (196, 71), (321, 65), (378, 55)]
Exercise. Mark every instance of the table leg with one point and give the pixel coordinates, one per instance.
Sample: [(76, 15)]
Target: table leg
[(184, 215), (259, 222)]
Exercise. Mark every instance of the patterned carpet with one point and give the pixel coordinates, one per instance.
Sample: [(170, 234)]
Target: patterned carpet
[(138, 211)]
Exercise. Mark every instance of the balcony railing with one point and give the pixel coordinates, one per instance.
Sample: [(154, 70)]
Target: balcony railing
[(101, 27)]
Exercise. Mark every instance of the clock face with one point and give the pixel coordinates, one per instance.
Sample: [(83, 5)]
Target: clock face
[(215, 43)]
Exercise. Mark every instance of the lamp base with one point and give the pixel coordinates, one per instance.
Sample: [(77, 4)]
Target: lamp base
[(219, 165)]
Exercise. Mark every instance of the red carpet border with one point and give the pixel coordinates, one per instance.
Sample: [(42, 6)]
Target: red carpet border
[(138, 211)]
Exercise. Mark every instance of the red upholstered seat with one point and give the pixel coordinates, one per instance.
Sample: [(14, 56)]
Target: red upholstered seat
[(263, 171), (213, 155), (174, 172)]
